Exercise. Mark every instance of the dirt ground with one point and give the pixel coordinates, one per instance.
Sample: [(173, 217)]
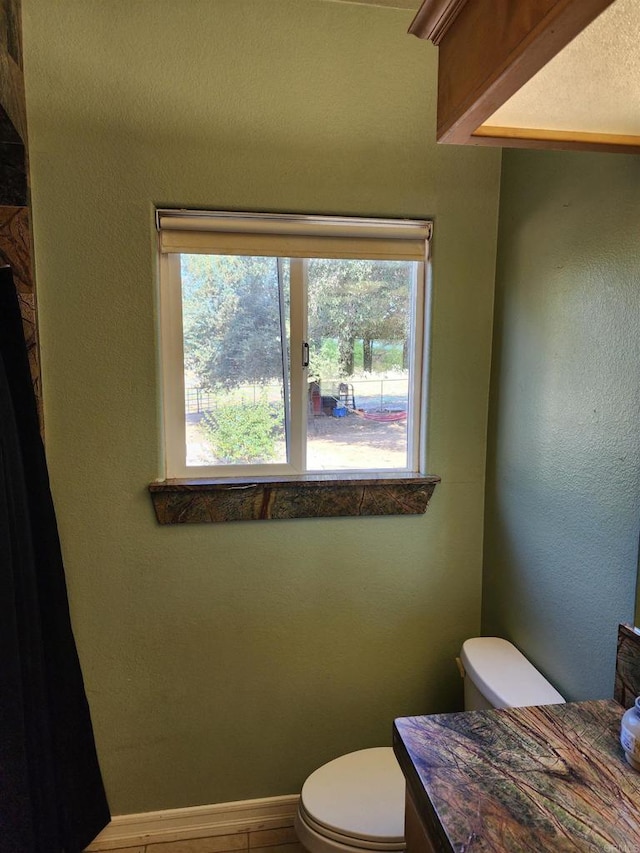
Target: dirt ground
[(354, 442), (333, 443)]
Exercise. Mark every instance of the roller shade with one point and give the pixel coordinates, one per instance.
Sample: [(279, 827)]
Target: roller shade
[(276, 235)]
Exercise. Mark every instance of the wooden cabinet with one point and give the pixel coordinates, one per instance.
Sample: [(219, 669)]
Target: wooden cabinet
[(489, 50), (416, 834)]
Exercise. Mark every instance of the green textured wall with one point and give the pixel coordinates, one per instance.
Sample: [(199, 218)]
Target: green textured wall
[(563, 462), (226, 662)]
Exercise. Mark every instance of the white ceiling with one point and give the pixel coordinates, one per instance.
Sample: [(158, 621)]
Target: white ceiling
[(593, 85)]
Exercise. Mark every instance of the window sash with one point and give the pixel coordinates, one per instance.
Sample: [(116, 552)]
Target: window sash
[(173, 400)]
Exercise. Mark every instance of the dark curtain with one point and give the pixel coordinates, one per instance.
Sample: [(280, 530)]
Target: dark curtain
[(52, 799)]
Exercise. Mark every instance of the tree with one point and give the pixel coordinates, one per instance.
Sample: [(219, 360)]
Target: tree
[(354, 300), (231, 312), (232, 323)]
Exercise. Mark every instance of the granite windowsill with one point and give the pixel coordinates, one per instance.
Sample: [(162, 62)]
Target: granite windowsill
[(309, 496)]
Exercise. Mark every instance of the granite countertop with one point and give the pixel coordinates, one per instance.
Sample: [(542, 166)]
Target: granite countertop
[(544, 778)]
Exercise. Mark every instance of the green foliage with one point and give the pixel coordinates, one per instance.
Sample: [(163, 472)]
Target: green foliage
[(244, 432), (231, 316), (324, 359), (232, 307), (389, 356), (358, 300)]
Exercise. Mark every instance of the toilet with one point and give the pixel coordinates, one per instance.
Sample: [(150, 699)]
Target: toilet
[(356, 801), (497, 675)]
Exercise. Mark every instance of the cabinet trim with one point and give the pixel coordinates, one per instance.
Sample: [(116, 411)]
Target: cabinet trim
[(434, 19)]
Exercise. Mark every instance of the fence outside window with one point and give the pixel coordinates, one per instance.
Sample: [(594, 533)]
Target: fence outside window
[(368, 394)]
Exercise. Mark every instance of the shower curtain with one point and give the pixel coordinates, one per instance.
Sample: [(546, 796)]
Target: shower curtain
[(52, 799)]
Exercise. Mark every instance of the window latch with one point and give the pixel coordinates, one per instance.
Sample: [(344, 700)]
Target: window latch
[(305, 354)]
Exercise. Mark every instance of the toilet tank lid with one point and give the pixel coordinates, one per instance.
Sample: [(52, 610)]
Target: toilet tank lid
[(504, 676)]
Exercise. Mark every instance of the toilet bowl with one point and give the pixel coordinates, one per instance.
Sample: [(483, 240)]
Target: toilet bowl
[(356, 802)]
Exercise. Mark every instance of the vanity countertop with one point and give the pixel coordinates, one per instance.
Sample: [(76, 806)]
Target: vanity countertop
[(544, 778)]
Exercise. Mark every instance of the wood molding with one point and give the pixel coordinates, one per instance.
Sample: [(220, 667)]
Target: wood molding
[(196, 822), (488, 50), (404, 5), (529, 137), (434, 19)]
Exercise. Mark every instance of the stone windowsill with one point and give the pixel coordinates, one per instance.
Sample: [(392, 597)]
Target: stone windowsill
[(310, 496)]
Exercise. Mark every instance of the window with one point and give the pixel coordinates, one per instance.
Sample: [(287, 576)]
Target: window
[(292, 345)]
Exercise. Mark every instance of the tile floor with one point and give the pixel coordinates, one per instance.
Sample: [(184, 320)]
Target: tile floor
[(281, 840)]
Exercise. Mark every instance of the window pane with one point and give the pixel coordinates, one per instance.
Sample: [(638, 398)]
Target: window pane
[(235, 359), (360, 338)]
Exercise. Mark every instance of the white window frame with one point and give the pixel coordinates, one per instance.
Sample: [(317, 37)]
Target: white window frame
[(296, 237)]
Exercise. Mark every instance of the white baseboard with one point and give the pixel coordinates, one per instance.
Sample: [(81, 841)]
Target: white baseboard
[(196, 822)]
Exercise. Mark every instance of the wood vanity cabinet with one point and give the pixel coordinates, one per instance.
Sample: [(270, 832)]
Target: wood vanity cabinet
[(417, 835)]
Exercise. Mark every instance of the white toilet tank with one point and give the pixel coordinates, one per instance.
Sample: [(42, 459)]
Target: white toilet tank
[(497, 675)]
